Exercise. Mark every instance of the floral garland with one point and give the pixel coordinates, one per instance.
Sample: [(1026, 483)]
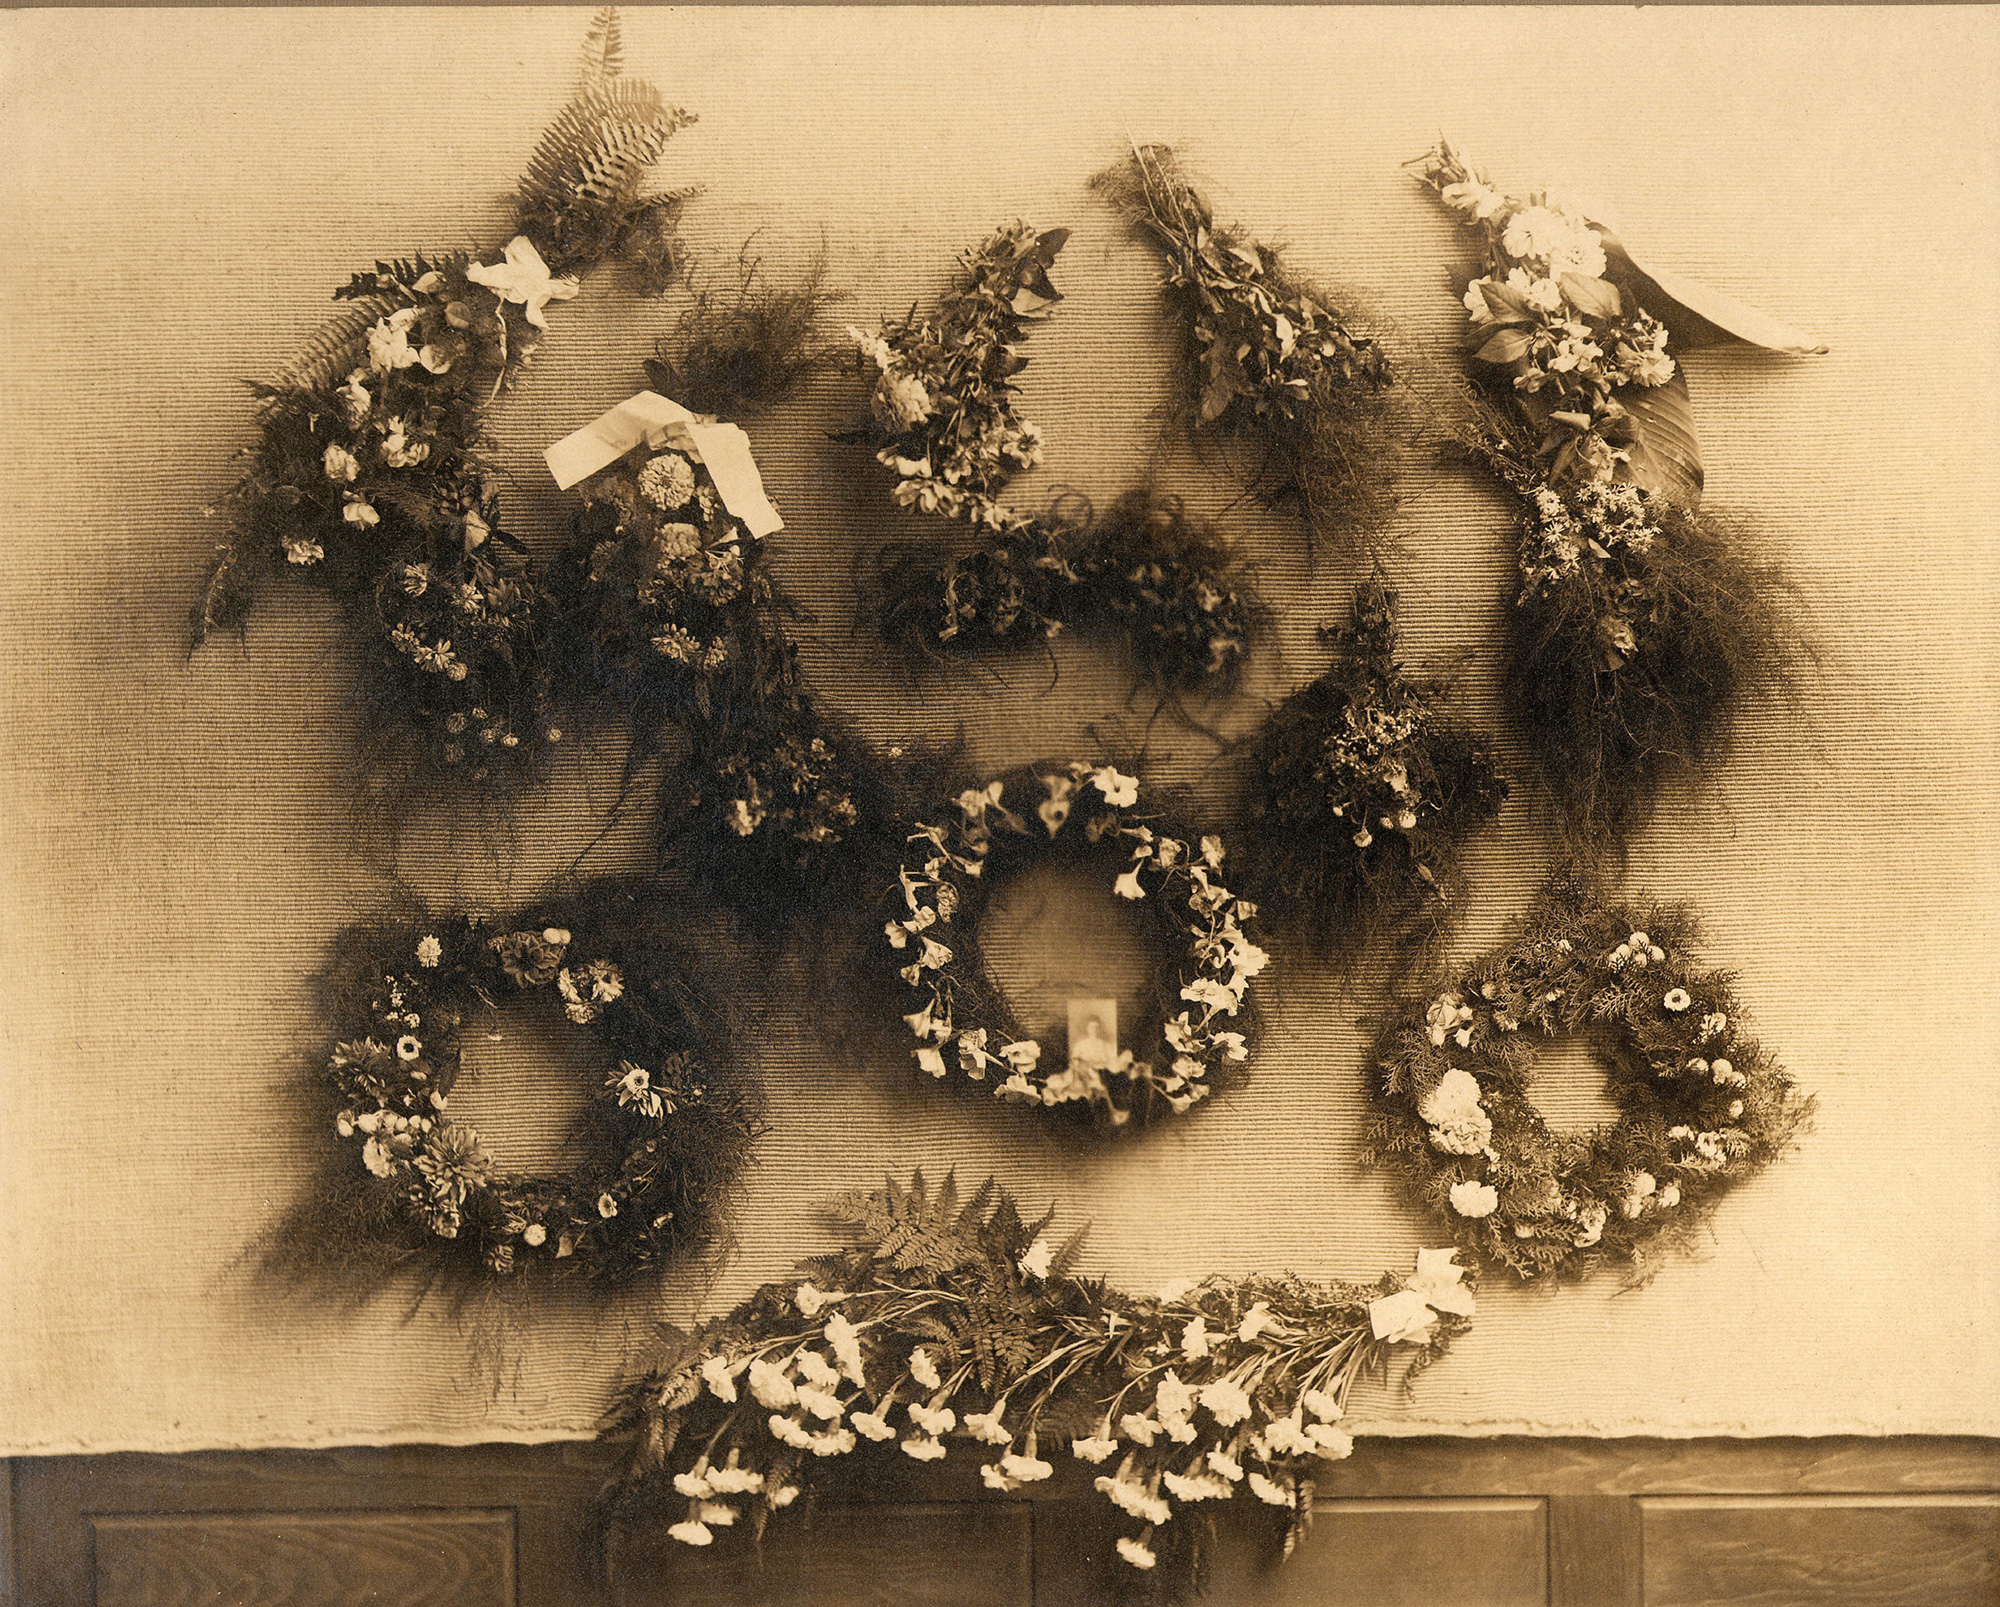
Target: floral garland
[(960, 1322), (1703, 1105), (1639, 628), (942, 418), (368, 478), (1268, 358), (1366, 791), (666, 1130), (1085, 812)]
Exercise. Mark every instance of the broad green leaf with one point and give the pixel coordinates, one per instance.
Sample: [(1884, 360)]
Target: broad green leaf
[(1595, 298), (1504, 302), (1699, 316), (1664, 455), (1507, 346)]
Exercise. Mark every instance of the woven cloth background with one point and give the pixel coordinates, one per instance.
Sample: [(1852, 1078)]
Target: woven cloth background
[(184, 188)]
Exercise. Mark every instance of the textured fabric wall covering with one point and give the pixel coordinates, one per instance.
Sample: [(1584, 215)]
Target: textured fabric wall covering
[(183, 189)]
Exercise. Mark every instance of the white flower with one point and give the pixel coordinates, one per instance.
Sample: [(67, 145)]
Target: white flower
[(1677, 1000), (923, 1448), (1095, 1449), (1226, 1402), (809, 1299), (1025, 1469), (786, 1494), (817, 1370), (923, 1369), (1254, 1322), (845, 1340), (1474, 1199), (988, 1427), (1330, 1443), (718, 1513), (300, 551), (1035, 1262), (931, 1060), (341, 464), (607, 1206), (522, 277), (375, 1157), (693, 1484), (1127, 886), (691, 1533), (1401, 1317), (535, 1234), (770, 1387), (1323, 1406), (1141, 1429), (874, 1424), (429, 950), (1119, 791), (389, 341), (1270, 1492), (933, 1419), (995, 1478), (1135, 1553), (1194, 1337), (721, 1382), (902, 401), (1670, 1195), (359, 512)]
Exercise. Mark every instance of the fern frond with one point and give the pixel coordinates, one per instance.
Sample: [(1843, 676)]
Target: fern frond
[(603, 51), (330, 351)]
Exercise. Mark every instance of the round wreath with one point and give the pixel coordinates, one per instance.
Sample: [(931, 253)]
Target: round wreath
[(1086, 815), (1702, 1104), (664, 1134)]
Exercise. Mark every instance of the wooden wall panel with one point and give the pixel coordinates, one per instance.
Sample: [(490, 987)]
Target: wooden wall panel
[(1822, 1551), (334, 1559), (917, 1555)]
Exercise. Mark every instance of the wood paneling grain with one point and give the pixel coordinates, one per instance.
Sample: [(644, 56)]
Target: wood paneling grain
[(1386, 1553), (287, 1559), (1822, 1551), (1594, 1551), (930, 1555)]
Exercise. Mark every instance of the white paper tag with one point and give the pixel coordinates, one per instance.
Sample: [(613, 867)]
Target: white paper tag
[(1093, 1032), (651, 419)]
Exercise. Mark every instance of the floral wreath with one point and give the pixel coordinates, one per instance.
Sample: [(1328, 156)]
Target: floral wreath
[(958, 1323), (1639, 628), (1703, 1105), (1086, 814), (942, 419), (368, 478), (665, 1132), (1366, 790)]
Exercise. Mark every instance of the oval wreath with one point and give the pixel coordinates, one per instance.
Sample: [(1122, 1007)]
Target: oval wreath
[(1086, 815), (1703, 1104), (665, 1132)]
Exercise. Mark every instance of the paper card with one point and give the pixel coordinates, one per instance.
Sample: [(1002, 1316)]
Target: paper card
[(653, 420), (1093, 1031)]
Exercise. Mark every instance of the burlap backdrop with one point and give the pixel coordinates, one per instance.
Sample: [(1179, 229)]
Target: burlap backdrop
[(181, 191)]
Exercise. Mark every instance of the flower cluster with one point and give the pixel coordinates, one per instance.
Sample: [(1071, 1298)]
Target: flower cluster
[(942, 416), (963, 1324), (1268, 357), (368, 479), (1368, 791), (663, 1129), (1144, 567), (663, 577), (1702, 1105), (1545, 313), (1084, 812)]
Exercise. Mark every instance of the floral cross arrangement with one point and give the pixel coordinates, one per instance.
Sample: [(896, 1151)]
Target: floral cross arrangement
[(956, 1323), (1086, 816)]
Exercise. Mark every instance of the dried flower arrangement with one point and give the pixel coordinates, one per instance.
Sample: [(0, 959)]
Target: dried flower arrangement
[(368, 477), (1641, 627), (943, 419), (1364, 793), (1703, 1105), (956, 1321), (1269, 361)]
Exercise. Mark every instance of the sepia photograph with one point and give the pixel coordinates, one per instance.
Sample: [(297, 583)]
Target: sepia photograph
[(1000, 806)]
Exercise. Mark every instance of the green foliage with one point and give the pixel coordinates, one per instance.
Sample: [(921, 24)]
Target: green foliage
[(736, 352)]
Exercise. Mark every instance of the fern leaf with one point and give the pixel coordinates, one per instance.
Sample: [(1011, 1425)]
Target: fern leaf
[(1063, 1262), (330, 351), (603, 51)]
